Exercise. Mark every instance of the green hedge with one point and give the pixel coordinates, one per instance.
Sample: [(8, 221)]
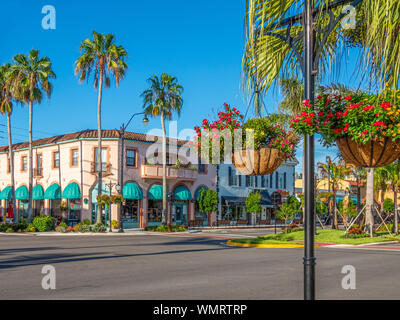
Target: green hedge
[(44, 223)]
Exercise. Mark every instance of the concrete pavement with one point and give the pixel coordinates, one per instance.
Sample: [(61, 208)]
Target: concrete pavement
[(192, 266)]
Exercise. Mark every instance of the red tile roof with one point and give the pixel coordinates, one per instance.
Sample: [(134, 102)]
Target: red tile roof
[(89, 134)]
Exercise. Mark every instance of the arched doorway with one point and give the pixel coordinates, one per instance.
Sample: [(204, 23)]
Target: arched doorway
[(180, 208), (93, 200), (154, 211), (133, 195)]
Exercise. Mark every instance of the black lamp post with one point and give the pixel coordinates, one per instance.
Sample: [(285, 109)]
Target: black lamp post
[(309, 64), (121, 178)]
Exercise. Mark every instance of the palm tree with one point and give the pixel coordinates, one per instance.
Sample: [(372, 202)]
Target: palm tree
[(293, 95), (162, 99), (334, 172), (6, 106), (393, 177), (31, 76), (268, 58), (102, 57)]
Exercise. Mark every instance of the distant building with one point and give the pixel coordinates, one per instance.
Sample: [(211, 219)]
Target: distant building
[(233, 189)]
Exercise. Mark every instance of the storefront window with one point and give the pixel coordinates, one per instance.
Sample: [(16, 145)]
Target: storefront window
[(155, 211), (55, 207), (74, 215), (38, 207), (130, 210)]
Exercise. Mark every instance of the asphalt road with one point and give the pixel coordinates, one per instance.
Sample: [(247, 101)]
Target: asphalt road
[(195, 266)]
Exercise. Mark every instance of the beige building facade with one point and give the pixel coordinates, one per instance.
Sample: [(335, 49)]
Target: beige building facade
[(65, 170)]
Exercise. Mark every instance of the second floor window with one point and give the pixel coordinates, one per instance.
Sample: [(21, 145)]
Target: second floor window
[(131, 158), (103, 159), (56, 159), (24, 166), (38, 160), (74, 155)]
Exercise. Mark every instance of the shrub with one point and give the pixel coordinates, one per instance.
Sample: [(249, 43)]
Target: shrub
[(167, 228), (76, 228), (30, 228), (98, 227), (85, 222), (114, 224), (43, 223), (356, 232), (9, 230)]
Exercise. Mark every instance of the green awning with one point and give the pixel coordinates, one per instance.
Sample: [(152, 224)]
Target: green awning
[(197, 193), (156, 192), (132, 191), (53, 192), (22, 193), (6, 193), (37, 192), (182, 193), (72, 191)]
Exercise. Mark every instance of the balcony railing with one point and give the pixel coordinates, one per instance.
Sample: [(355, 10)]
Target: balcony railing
[(38, 172), (155, 172), (105, 168)]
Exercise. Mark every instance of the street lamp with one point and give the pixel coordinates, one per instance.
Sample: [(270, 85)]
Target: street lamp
[(309, 65), (121, 182)]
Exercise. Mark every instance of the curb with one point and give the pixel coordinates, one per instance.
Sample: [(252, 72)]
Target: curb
[(253, 245)]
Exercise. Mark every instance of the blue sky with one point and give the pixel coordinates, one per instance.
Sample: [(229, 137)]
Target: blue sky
[(201, 43)]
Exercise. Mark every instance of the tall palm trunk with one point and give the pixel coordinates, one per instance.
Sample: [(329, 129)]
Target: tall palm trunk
[(99, 159), (396, 219), (334, 220), (164, 170), (369, 218), (30, 170), (11, 157)]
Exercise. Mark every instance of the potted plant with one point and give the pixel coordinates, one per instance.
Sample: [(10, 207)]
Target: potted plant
[(114, 224), (256, 147), (365, 127), (63, 209)]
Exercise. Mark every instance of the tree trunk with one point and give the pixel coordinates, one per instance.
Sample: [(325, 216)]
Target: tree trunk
[(30, 169), (164, 170), (369, 218), (11, 157), (359, 207), (99, 159), (396, 221), (334, 220)]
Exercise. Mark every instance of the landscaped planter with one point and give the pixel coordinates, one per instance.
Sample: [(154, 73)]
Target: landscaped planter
[(376, 153), (258, 162)]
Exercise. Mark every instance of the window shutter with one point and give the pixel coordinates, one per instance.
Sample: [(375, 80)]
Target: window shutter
[(284, 180), (276, 180)]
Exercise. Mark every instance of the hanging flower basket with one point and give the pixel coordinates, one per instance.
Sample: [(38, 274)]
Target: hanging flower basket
[(257, 146), (376, 153), (365, 127), (258, 162)]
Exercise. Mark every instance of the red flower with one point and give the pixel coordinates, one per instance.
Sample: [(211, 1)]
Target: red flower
[(348, 98), (306, 101), (337, 130), (367, 108)]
